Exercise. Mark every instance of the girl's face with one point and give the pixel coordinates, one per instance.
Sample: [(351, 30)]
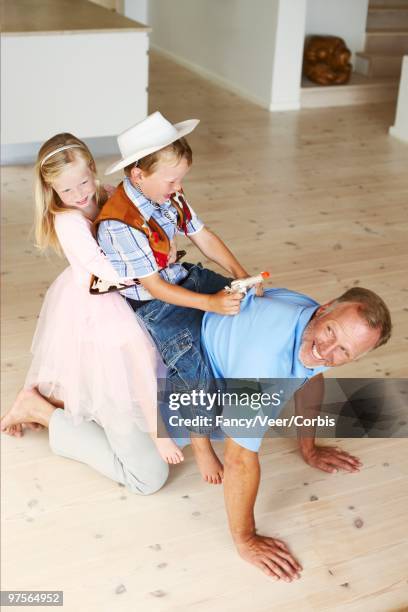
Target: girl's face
[(163, 182), (76, 186)]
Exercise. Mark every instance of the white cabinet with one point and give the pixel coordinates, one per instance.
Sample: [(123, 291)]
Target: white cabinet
[(89, 79)]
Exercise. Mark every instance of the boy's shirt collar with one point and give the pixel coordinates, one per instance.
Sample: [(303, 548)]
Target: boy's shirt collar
[(145, 206)]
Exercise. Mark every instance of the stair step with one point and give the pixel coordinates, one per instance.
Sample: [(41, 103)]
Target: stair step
[(387, 3), (384, 65), (360, 90), (383, 41), (387, 18), (388, 7)]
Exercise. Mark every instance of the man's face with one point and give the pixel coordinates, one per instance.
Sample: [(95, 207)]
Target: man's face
[(336, 336), (163, 182)]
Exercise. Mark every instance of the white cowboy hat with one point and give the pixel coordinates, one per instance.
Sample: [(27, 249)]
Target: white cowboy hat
[(148, 136)]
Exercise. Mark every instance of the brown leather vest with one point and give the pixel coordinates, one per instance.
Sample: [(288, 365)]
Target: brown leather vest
[(119, 207)]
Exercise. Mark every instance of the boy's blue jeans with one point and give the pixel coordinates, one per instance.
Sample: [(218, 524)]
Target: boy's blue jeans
[(176, 331)]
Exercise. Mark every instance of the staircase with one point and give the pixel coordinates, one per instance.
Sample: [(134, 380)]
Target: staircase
[(386, 39), (377, 68)]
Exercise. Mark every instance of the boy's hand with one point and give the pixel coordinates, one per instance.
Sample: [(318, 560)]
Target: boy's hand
[(173, 252), (224, 303), (259, 290)]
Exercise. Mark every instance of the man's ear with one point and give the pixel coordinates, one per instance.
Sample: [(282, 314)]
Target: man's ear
[(324, 308)]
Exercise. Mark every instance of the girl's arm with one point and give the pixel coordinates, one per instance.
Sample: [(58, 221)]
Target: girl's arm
[(80, 247), (110, 189)]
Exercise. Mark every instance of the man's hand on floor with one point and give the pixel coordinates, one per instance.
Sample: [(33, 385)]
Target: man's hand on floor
[(272, 556), (331, 459)]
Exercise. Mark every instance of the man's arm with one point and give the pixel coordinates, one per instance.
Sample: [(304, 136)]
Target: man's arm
[(308, 402), (241, 482), (214, 249)]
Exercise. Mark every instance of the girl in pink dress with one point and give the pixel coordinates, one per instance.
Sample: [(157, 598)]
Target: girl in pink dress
[(90, 354)]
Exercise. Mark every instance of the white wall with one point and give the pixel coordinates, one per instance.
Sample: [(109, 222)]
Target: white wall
[(231, 41), (41, 76), (288, 56), (344, 18), (136, 9), (252, 47), (400, 128)]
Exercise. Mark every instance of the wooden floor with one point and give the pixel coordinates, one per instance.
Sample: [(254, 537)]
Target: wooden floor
[(318, 198)]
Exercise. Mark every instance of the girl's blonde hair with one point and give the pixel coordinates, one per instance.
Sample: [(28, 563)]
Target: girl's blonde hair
[(50, 164)]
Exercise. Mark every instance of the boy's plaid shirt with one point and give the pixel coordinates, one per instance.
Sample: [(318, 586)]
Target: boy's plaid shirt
[(128, 249)]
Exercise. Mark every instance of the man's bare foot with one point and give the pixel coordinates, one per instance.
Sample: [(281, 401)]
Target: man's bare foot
[(29, 408), (169, 451), (208, 463)]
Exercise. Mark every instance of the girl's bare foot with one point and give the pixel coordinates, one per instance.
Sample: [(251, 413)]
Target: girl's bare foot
[(14, 430), (208, 463), (18, 430), (169, 451), (30, 409), (33, 426)]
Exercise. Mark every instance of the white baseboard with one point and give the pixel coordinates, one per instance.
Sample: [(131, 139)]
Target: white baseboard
[(396, 133), (284, 106), (210, 76), (26, 152)]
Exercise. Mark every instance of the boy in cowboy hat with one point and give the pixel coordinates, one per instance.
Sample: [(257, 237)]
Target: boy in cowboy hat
[(136, 229)]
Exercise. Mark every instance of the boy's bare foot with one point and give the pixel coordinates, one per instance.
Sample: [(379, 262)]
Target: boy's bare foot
[(169, 451), (208, 463), (29, 409)]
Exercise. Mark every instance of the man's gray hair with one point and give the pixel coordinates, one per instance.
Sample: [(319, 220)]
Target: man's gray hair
[(372, 309)]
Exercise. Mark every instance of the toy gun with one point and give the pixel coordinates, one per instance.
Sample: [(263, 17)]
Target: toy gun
[(242, 284)]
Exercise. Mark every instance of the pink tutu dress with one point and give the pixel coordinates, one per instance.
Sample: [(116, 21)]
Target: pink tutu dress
[(90, 351)]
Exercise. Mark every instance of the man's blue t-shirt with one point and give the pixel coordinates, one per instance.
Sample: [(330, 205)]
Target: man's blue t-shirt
[(261, 342)]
